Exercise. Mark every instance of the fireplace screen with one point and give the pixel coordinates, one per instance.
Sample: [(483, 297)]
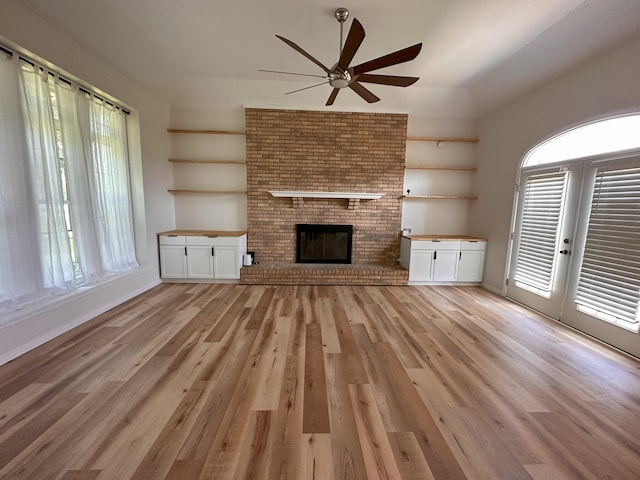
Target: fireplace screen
[(323, 243)]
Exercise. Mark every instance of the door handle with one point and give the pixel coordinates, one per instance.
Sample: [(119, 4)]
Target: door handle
[(565, 252)]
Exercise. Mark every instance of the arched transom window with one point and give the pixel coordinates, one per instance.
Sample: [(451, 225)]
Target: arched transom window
[(605, 136)]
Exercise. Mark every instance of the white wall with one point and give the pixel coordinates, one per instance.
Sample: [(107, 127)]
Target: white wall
[(151, 177), (430, 216), (605, 85)]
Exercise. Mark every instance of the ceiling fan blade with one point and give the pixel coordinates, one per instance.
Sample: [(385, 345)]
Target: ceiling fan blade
[(400, 56), (332, 97), (301, 51), (292, 73), (306, 88), (363, 92), (351, 45), (394, 80)]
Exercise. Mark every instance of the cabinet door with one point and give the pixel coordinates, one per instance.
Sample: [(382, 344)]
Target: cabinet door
[(445, 266), (226, 263), (471, 265), (200, 261), (173, 261), (420, 266)]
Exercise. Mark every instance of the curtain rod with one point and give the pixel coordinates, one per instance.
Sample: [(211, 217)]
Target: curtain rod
[(50, 71)]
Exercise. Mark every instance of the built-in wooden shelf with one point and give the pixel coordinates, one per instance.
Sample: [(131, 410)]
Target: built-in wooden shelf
[(206, 132), (220, 162), (240, 132), (434, 167), (421, 236), (208, 192), (442, 197), (203, 233), (443, 139)]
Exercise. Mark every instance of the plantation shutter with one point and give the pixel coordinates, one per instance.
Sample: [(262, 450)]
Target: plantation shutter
[(609, 281), (540, 222)]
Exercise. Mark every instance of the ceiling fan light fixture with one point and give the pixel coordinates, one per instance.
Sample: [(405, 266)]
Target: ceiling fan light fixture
[(338, 79), (339, 82)]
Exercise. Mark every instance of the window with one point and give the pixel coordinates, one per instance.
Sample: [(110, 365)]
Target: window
[(64, 186), (65, 202), (605, 136)]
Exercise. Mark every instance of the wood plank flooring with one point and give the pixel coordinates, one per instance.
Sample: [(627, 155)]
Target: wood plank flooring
[(201, 381)]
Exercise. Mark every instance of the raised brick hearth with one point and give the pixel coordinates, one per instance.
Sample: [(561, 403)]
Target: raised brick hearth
[(293, 150), (322, 274)]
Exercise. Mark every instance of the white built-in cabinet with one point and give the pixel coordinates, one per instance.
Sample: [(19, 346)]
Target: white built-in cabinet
[(201, 255), (442, 260), (471, 261)]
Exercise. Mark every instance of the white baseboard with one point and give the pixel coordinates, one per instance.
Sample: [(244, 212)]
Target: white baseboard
[(492, 289), (34, 328)]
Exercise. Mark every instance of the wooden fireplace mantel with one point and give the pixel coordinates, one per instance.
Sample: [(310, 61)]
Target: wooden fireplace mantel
[(304, 194), (353, 197)]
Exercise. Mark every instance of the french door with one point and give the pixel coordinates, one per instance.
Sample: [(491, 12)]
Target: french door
[(576, 247), (542, 239)]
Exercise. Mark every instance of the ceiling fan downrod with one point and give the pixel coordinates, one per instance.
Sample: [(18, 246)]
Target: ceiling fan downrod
[(338, 78), (341, 15)]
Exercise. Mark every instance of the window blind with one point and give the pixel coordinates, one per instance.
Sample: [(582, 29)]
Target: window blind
[(609, 283), (540, 221)]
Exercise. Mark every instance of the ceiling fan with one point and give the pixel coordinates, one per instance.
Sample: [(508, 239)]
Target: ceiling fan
[(341, 75)]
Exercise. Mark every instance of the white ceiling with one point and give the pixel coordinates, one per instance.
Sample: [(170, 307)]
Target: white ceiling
[(476, 53)]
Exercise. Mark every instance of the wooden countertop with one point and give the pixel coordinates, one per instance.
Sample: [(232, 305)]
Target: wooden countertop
[(204, 233), (444, 237)]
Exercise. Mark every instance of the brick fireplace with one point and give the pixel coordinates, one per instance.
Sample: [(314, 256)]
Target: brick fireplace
[(312, 151)]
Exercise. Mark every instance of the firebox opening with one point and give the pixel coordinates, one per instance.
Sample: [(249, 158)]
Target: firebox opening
[(323, 243)]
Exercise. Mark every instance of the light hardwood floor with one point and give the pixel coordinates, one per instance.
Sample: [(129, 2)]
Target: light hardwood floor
[(238, 382)]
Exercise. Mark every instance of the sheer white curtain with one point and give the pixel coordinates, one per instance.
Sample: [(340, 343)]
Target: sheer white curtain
[(111, 187), (65, 209), (73, 114), (20, 268), (47, 183)]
